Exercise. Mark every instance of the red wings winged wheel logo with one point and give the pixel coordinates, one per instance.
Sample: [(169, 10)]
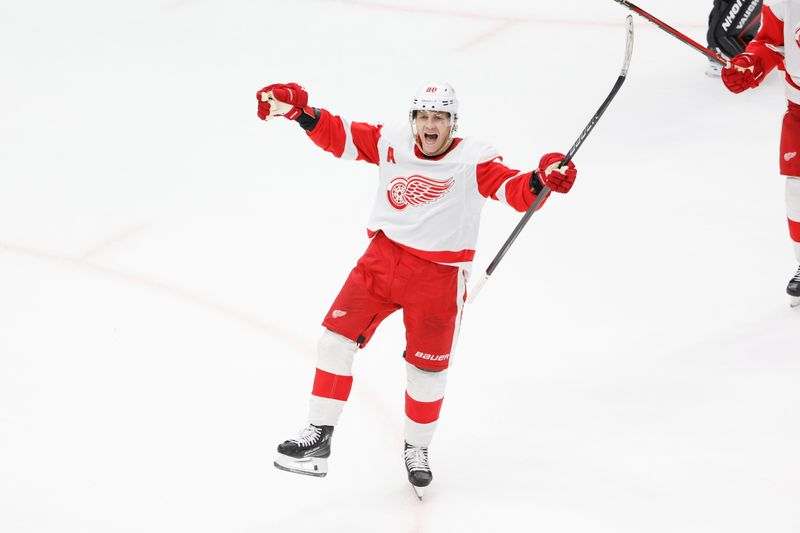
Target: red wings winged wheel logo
[(416, 191)]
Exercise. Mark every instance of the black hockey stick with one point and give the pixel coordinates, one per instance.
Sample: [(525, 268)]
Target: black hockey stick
[(546, 190), (675, 33)]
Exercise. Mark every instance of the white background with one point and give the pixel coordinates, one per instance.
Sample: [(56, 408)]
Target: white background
[(166, 259)]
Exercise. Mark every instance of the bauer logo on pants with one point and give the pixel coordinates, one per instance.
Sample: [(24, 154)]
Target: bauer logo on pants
[(431, 357), (416, 191)]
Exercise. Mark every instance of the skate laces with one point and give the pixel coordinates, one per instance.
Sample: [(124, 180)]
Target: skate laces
[(797, 275), (308, 435), (416, 458)]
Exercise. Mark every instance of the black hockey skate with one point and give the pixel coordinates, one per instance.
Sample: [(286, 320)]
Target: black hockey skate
[(418, 468), (793, 289), (308, 453)]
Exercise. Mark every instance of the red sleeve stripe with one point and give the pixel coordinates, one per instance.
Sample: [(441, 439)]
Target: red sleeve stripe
[(501, 192), (423, 412), (335, 387), (345, 139), (794, 230)]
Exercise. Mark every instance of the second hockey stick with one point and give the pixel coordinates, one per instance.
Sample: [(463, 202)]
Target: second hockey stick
[(675, 33), (578, 142)]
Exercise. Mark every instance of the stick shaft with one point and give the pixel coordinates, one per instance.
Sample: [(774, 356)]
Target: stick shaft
[(546, 190), (675, 33), (576, 145)]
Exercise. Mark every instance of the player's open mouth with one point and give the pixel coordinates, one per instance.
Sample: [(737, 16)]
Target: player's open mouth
[(430, 138)]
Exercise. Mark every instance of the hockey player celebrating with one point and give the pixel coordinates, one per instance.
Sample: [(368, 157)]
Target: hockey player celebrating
[(423, 229), (777, 44)]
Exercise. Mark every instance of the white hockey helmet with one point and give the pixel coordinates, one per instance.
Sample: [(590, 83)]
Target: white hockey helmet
[(435, 96)]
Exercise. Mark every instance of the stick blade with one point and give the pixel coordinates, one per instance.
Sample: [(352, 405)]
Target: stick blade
[(628, 44), (476, 289)]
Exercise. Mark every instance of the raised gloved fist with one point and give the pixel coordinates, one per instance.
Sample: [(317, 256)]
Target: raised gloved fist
[(744, 71), (558, 178), (282, 100)]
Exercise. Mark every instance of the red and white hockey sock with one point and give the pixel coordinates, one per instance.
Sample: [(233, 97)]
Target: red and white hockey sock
[(793, 212), (333, 379), (424, 397)]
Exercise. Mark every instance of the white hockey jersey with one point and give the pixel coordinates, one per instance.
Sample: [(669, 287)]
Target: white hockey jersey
[(430, 206)]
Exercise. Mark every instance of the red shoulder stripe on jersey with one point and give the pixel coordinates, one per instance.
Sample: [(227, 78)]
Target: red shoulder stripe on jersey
[(493, 174), (443, 256), (333, 386)]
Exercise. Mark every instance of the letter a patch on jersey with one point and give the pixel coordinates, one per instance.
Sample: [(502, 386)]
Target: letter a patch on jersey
[(390, 156)]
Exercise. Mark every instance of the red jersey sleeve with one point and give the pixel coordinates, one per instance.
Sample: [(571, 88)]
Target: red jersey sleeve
[(346, 140), (499, 182), (769, 37)]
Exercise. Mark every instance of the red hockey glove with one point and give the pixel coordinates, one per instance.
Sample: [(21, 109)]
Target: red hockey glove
[(557, 178), (282, 100), (744, 71)]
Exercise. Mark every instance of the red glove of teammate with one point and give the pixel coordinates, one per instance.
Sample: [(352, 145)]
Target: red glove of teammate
[(744, 72), (287, 100), (556, 177)]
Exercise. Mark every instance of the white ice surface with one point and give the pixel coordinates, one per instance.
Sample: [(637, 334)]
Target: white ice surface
[(166, 258)]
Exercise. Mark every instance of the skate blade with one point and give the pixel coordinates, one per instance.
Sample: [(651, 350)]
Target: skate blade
[(714, 70), (794, 301), (312, 466), (419, 491)]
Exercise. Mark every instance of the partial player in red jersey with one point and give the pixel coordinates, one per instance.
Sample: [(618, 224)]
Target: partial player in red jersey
[(777, 44), (423, 230)]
